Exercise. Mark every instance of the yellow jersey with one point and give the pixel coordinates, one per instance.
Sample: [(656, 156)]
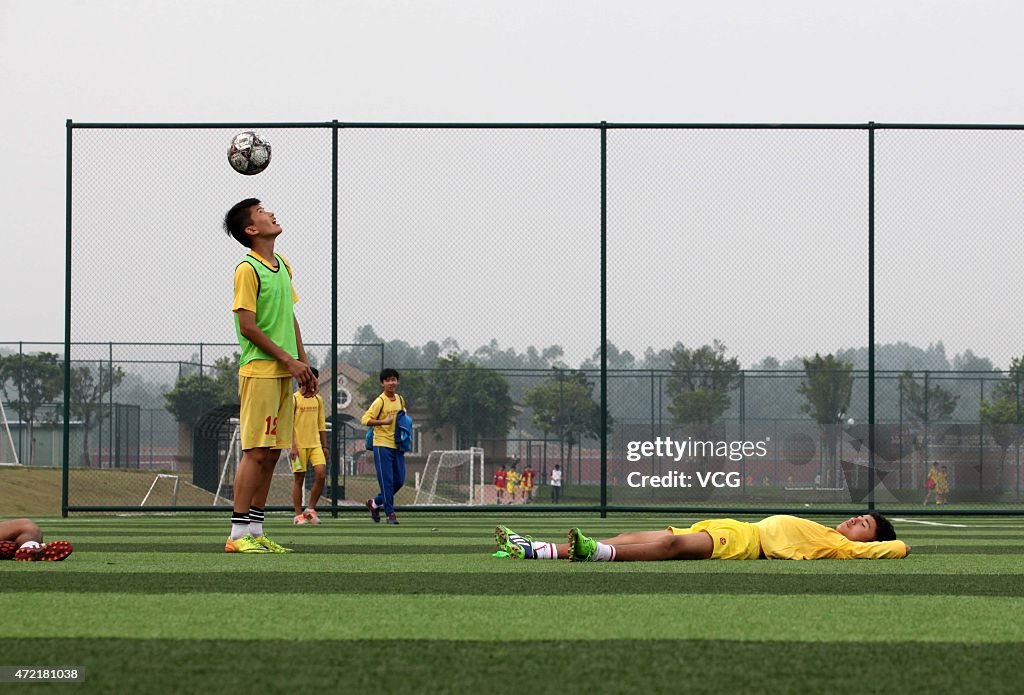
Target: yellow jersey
[(380, 409), (309, 421), (792, 538)]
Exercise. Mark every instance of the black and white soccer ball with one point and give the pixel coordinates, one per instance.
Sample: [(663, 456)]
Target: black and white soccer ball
[(249, 153)]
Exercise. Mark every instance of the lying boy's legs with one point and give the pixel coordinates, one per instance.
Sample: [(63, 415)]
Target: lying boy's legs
[(643, 545), (21, 539), (20, 531), (723, 539), (659, 545)]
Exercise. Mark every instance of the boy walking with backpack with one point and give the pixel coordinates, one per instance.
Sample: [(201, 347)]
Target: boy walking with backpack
[(386, 410)]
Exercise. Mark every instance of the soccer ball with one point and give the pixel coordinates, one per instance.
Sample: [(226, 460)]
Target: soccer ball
[(249, 153)]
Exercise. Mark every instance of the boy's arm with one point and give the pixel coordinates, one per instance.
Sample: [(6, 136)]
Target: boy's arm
[(297, 368), (875, 550), (370, 420), (315, 386)]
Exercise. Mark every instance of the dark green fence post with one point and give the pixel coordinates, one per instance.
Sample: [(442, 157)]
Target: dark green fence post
[(67, 326), (335, 462), (871, 315), (604, 319)]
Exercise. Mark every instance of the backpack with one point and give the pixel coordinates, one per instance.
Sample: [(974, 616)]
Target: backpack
[(403, 428)]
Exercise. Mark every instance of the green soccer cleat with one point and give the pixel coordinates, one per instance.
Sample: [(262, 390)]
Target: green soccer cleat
[(271, 546), (518, 547), (245, 544), (581, 548)]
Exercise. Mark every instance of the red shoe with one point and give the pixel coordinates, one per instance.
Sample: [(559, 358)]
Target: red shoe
[(7, 550), (55, 551), (311, 517), (28, 554)]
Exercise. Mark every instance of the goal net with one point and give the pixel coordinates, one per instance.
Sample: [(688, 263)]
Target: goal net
[(452, 477)]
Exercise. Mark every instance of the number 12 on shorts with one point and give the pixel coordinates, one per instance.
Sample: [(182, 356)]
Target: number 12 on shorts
[(271, 425)]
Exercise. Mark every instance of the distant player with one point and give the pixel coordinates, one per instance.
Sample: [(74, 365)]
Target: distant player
[(929, 483), (869, 536), (21, 539), (556, 484), (500, 480), (511, 484), (309, 449), (526, 482), (942, 486), (271, 355)]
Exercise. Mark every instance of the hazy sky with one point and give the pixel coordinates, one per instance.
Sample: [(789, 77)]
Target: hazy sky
[(754, 238)]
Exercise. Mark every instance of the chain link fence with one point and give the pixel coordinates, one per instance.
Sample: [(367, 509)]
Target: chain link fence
[(708, 317)]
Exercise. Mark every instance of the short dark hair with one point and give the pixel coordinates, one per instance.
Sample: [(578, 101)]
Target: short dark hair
[(388, 372), (316, 372), (883, 528), (238, 218)]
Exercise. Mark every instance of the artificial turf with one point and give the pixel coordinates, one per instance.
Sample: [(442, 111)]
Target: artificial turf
[(153, 604)]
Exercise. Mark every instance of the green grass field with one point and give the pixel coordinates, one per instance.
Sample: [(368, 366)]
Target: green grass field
[(152, 604)]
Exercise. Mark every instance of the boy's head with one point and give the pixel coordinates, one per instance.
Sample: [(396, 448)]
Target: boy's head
[(248, 219), (867, 527), (389, 379)]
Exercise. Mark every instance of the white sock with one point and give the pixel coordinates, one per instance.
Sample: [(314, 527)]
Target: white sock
[(239, 525), (545, 551), (30, 544), (605, 553), (255, 521)]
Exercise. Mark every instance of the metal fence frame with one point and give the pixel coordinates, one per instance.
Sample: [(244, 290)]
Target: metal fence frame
[(601, 129)]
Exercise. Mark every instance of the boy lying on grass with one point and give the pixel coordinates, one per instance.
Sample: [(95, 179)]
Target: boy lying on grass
[(782, 537)]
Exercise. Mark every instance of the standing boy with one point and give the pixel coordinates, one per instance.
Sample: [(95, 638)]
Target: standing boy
[(387, 459), (527, 483), (511, 483), (271, 355), (556, 484), (499, 481), (309, 449)]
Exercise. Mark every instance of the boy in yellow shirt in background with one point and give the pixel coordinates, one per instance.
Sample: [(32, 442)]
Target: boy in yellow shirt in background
[(511, 483)]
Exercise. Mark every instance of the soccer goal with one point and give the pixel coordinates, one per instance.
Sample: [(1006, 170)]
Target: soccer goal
[(452, 477), (169, 481), (8, 452)]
